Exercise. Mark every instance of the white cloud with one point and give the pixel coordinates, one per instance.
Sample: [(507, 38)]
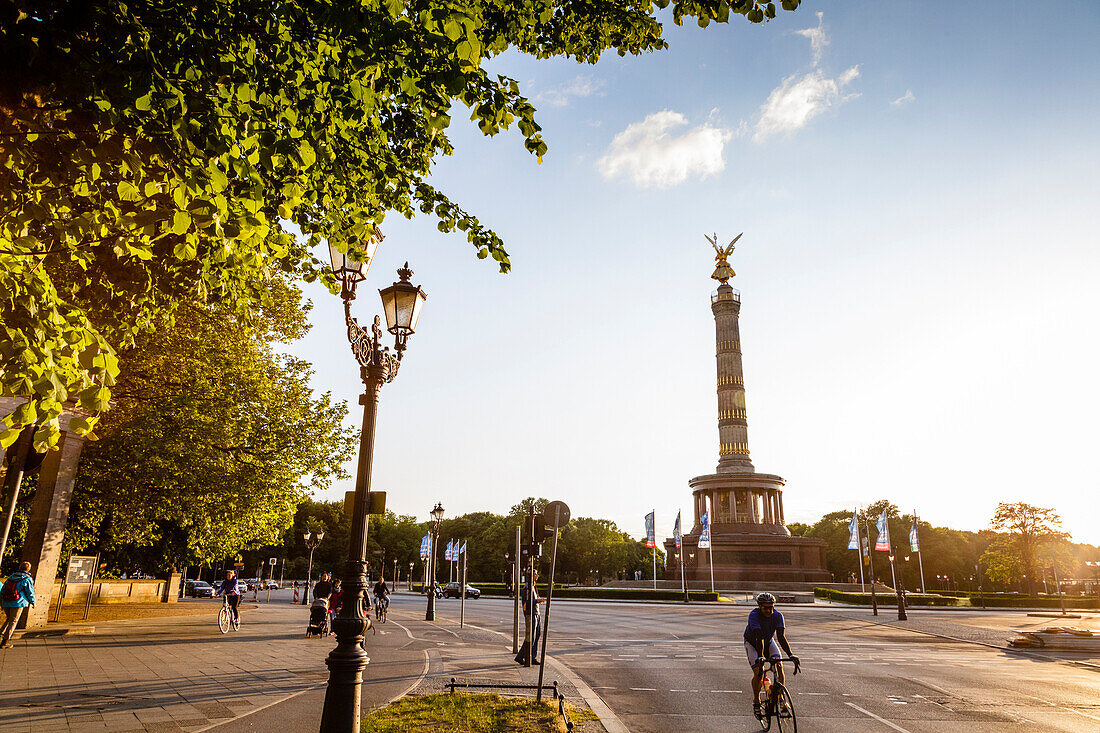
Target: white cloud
[(818, 39), (797, 100), (581, 86), (650, 156), (904, 99)]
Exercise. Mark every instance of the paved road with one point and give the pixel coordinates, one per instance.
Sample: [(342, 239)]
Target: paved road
[(671, 667)]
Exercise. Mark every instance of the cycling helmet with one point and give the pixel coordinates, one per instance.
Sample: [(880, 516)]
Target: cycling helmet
[(764, 599)]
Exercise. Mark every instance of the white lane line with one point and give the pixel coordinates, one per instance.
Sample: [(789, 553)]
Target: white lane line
[(644, 689), (869, 714), (735, 692), (1091, 717), (656, 656), (677, 690), (813, 693)]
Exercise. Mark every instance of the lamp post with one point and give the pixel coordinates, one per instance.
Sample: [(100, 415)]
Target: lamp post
[(437, 517), (402, 303), (898, 589), (312, 540)]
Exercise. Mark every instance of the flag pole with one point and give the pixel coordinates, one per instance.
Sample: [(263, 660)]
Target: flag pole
[(920, 560), (871, 564), (683, 578), (710, 550), (859, 555)]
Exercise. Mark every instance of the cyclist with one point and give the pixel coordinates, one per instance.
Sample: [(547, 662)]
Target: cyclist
[(231, 589), (381, 593), (764, 627)]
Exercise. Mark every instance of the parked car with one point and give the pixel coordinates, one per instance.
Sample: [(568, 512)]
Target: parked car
[(270, 584), (199, 589), (451, 590)]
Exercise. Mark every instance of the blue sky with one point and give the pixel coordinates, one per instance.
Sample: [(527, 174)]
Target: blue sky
[(917, 187)]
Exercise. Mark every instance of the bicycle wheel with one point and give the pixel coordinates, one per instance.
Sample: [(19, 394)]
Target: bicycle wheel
[(223, 619), (382, 615), (784, 712), (237, 622)]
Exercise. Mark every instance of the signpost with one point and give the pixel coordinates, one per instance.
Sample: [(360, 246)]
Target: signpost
[(81, 570), (558, 513)]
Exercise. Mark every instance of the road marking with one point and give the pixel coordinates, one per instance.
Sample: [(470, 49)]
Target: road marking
[(1091, 717), (644, 689), (677, 690), (735, 692), (656, 656), (813, 693), (869, 714)]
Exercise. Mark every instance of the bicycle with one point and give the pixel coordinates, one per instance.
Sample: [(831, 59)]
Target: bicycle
[(380, 609), (227, 619), (775, 699)]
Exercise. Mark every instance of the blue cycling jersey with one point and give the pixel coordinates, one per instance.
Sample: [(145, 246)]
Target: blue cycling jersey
[(762, 627)]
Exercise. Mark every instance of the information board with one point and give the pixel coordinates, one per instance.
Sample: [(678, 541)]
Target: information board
[(80, 569)]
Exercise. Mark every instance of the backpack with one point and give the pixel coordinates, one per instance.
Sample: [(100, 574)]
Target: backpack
[(10, 592)]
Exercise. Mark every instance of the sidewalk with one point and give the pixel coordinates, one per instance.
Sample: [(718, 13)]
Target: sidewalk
[(182, 674)]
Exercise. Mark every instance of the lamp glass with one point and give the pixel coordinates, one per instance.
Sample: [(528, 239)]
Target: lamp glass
[(402, 303), (354, 269)]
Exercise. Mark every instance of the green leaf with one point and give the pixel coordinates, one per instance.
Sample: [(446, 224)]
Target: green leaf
[(144, 103), (181, 222), (128, 191)]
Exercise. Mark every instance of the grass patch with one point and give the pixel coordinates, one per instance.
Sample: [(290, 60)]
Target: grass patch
[(466, 713)]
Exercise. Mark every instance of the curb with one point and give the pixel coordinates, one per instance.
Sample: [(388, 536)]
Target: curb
[(608, 719)]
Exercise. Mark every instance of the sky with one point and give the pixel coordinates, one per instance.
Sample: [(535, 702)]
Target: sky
[(919, 275)]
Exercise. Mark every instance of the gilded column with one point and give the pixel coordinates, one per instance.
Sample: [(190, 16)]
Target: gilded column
[(733, 440)]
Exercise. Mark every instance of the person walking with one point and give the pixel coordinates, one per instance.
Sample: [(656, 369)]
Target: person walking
[(323, 588), (16, 594)]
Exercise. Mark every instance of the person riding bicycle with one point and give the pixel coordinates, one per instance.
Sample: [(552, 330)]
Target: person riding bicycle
[(381, 593), (231, 589), (764, 628)]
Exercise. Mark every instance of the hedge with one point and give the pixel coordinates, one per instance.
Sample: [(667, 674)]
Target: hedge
[(887, 599), (999, 600), (580, 591)]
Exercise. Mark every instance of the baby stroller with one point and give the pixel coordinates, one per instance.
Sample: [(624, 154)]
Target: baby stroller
[(318, 618)]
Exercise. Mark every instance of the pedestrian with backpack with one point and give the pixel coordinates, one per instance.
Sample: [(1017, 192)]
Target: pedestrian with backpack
[(16, 594)]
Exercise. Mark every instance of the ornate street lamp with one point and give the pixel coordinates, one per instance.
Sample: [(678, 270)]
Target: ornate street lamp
[(378, 366), (312, 540), (437, 517)]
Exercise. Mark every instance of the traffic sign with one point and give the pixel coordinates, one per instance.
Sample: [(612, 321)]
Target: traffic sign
[(562, 512)]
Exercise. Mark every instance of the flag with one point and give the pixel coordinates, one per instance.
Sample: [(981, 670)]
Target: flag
[(914, 541), (704, 535), (425, 545), (447, 551), (650, 536), (676, 535), (463, 550), (853, 532), (883, 541)]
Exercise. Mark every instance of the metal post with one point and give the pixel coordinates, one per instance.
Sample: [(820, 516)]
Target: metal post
[(462, 590), (348, 660), (1057, 581), (309, 578), (429, 615), (654, 566), (91, 587), (859, 557), (549, 596), (20, 452), (683, 576), (900, 592), (516, 577), (871, 563)]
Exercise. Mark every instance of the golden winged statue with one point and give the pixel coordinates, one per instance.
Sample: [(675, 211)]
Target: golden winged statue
[(723, 271)]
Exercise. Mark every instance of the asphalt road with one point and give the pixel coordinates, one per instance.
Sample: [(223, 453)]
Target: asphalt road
[(683, 668)]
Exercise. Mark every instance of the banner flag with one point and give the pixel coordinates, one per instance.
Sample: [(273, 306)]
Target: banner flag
[(650, 534), (704, 535), (883, 541), (853, 532), (448, 553), (463, 550), (676, 535), (914, 541), (425, 545)]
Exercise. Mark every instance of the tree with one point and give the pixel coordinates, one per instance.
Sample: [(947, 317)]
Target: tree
[(213, 442), (155, 154), (1028, 528)]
